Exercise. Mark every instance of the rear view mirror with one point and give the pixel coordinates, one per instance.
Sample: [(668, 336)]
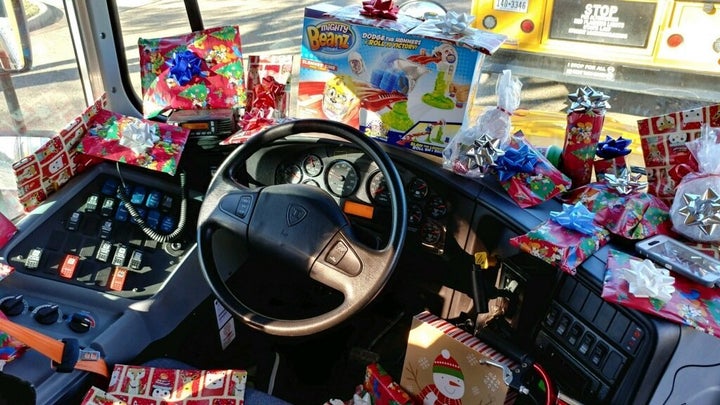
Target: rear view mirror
[(14, 38)]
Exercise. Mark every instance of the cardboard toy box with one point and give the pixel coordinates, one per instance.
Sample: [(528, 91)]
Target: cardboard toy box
[(450, 366), (379, 76)]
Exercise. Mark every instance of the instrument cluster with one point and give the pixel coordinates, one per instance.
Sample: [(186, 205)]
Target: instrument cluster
[(353, 177)]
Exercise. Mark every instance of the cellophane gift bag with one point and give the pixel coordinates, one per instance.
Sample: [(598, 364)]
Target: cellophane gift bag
[(473, 151), (664, 138), (198, 70), (695, 211), (566, 239), (268, 98)]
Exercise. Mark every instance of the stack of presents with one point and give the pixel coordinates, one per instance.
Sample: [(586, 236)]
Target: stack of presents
[(412, 83)]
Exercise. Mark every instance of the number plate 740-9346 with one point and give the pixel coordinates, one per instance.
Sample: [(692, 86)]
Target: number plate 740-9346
[(518, 6)]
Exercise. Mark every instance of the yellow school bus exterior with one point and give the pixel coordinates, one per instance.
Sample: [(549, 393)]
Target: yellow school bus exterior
[(612, 41)]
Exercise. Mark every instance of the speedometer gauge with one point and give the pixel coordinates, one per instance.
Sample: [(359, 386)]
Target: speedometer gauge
[(418, 188), (313, 165), (342, 178), (288, 174), (378, 190)]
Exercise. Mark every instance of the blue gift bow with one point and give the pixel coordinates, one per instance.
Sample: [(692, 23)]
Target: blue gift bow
[(522, 160), (575, 217), (184, 66), (612, 148)]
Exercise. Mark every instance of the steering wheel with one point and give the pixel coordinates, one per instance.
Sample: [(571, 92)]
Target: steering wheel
[(301, 225)]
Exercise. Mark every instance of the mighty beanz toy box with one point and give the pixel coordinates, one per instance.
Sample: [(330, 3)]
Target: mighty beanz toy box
[(401, 81)]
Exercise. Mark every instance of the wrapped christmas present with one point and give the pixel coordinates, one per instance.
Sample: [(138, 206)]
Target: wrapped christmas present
[(527, 175), (57, 161), (199, 70), (565, 240), (7, 230), (153, 385), (610, 156), (667, 157), (135, 141), (636, 283), (585, 120), (622, 207), (383, 389)]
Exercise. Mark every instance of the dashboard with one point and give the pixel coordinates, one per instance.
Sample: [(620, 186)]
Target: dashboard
[(596, 351), (359, 187)]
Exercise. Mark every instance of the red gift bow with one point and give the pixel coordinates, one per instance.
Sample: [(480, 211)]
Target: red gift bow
[(380, 9), (267, 93)]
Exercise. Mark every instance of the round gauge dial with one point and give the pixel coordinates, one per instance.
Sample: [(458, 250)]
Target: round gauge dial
[(311, 182), (438, 207), (431, 232), (378, 190), (342, 178), (415, 214), (291, 174), (418, 188), (313, 165)]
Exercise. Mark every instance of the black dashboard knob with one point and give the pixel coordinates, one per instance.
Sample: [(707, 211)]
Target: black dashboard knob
[(81, 322), (47, 314), (12, 305)]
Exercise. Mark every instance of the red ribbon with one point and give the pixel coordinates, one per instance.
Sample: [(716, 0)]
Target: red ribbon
[(679, 171), (380, 9)]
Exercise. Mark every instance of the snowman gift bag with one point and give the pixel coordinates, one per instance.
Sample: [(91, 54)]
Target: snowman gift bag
[(446, 365)]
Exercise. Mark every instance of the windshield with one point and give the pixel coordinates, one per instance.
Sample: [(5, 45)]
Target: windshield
[(544, 51)]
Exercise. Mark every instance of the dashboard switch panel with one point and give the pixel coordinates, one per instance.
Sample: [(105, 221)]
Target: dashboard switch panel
[(91, 234)]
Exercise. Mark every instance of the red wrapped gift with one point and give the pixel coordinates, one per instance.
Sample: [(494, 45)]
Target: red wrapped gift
[(57, 161), (382, 388), (96, 396), (151, 385), (585, 119), (690, 303), (10, 348), (7, 230), (566, 240), (199, 70), (636, 215), (667, 157), (143, 143), (610, 157), (609, 166), (539, 182)]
